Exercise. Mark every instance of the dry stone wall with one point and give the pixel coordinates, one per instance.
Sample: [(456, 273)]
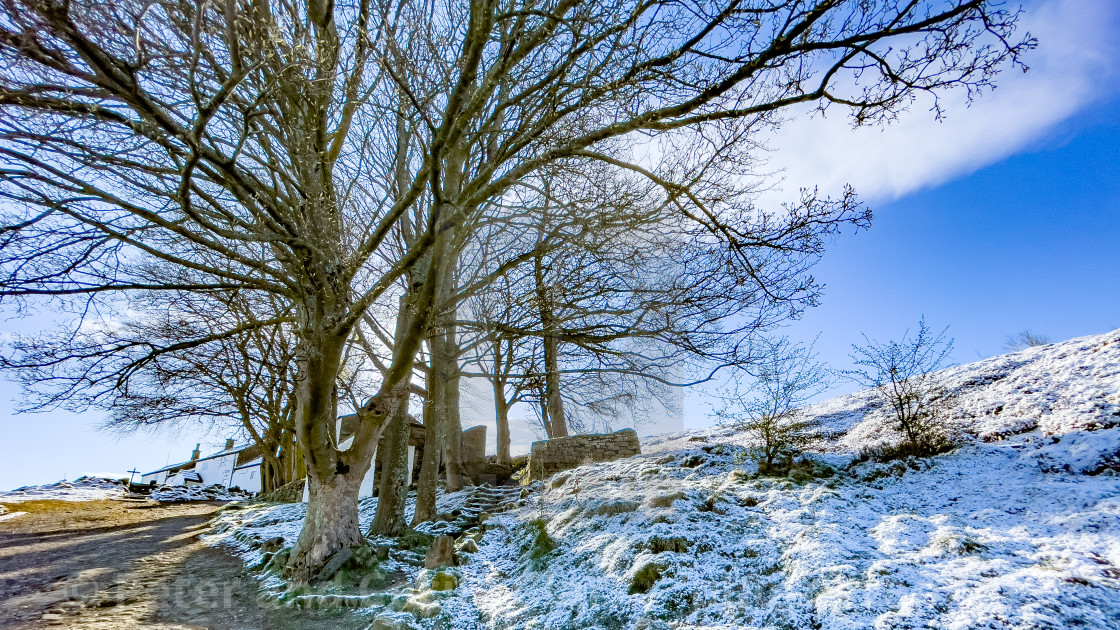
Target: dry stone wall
[(551, 456), (472, 452)]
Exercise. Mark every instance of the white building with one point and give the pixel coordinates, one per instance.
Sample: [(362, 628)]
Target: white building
[(232, 467)]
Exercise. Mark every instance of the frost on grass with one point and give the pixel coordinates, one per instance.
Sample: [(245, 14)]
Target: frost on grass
[(1018, 527)]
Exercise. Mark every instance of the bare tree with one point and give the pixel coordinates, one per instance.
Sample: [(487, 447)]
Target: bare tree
[(253, 143), (766, 403), (229, 140), (504, 356), (618, 296), (239, 379), (244, 378), (903, 374)]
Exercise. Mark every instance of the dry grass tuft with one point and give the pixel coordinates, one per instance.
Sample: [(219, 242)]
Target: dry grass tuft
[(46, 506)]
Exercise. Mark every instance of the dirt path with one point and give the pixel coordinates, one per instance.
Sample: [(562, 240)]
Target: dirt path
[(101, 565)]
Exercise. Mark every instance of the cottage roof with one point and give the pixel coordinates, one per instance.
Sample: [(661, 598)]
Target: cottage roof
[(172, 468), (245, 453), (250, 464), (228, 451)]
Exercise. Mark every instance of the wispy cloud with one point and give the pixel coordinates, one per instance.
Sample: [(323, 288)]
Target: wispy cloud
[(1073, 67)]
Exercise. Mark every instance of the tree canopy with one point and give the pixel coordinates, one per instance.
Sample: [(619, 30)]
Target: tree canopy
[(337, 155)]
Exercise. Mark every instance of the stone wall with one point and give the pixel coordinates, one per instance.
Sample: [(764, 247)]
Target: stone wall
[(472, 452), (551, 456)]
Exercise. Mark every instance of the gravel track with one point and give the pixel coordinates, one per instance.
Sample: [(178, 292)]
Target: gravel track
[(101, 565)]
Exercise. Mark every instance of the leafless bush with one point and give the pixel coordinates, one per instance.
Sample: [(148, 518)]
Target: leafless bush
[(767, 407), (903, 374)]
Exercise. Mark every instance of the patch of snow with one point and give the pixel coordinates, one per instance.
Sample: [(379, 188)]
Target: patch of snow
[(1018, 527), (80, 489), (981, 538), (108, 475), (181, 494)]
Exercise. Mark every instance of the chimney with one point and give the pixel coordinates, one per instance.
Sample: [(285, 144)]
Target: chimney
[(195, 453), (229, 444)]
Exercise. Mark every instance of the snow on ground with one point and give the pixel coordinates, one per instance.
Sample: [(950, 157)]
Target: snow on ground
[(80, 489), (180, 494), (6, 515), (91, 488), (1019, 527)]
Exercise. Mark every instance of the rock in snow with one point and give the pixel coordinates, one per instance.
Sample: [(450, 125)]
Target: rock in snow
[(1018, 527), (180, 494), (80, 489), (441, 553)]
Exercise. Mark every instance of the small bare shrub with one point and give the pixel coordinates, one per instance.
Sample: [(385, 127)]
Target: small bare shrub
[(767, 407), (903, 374)]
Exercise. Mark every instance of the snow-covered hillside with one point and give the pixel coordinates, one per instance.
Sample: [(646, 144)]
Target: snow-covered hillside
[(80, 489), (1069, 388), (1018, 527)]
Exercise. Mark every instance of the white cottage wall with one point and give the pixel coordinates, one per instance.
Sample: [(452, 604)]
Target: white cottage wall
[(248, 477), (216, 470)]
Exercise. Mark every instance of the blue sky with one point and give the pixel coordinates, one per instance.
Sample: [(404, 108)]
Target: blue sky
[(1028, 243), (1004, 216)]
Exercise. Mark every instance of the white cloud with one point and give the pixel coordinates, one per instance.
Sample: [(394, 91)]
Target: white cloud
[(1073, 67)]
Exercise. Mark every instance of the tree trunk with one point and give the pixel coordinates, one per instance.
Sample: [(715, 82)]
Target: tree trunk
[(440, 421), (281, 460), (501, 420), (452, 422), (331, 523), (436, 419), (442, 274), (555, 404), (542, 402), (456, 476), (334, 477), (272, 470), (291, 456), (433, 438), (556, 424), (392, 491), (392, 487)]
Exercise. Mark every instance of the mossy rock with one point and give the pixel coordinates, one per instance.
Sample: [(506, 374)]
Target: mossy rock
[(275, 561), (645, 577), (444, 582), (367, 556)]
